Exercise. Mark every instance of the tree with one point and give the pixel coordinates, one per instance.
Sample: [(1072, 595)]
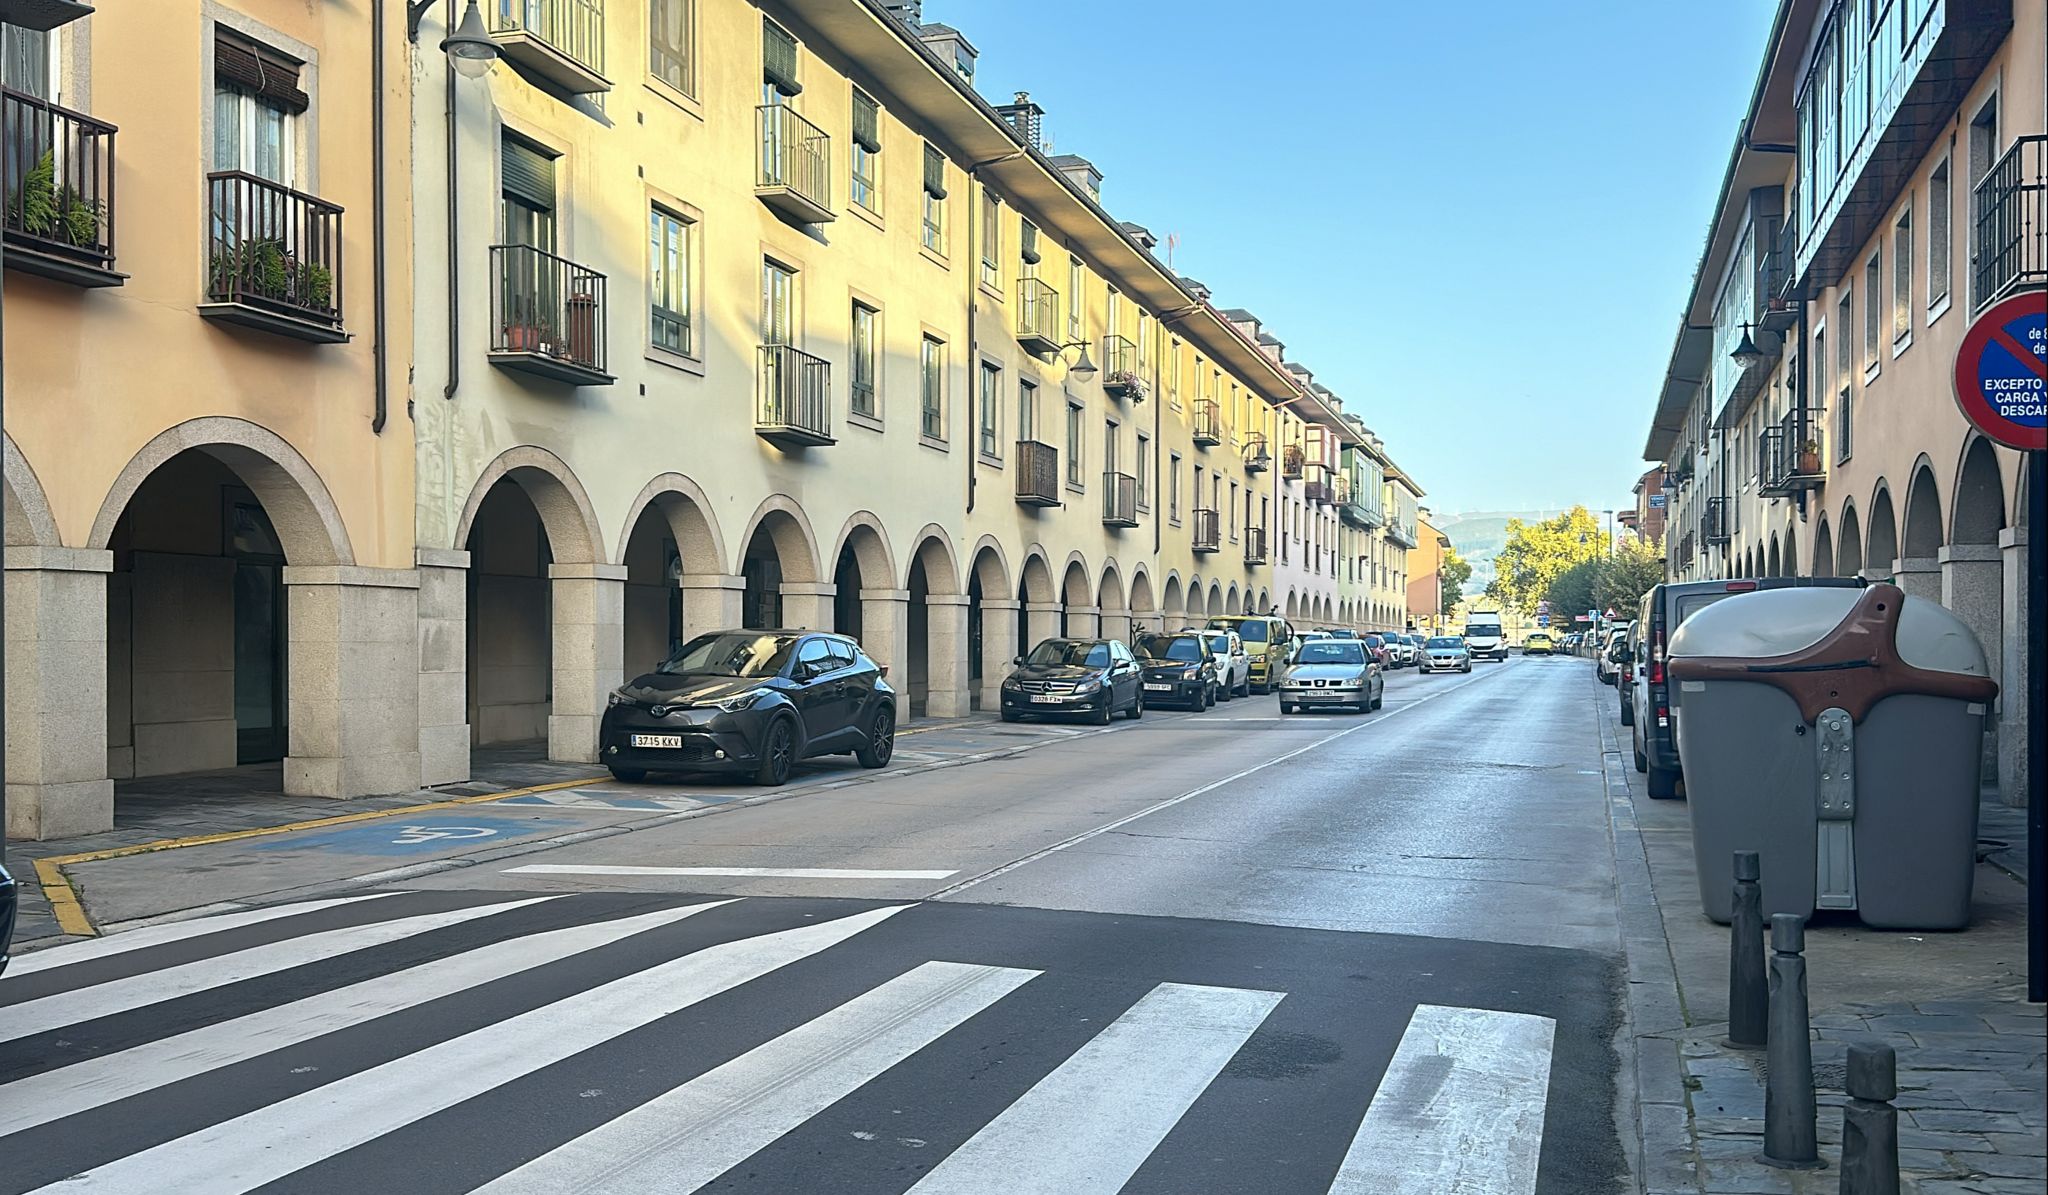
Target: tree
[(1453, 571), (1572, 593), (1537, 554), (1635, 566)]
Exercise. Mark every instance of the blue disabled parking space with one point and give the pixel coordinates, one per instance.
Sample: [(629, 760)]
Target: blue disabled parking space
[(430, 835)]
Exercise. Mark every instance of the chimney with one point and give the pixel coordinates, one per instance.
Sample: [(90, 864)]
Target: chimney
[(952, 47), (1246, 322), (1141, 234), (1081, 172), (1195, 288), (910, 12), (1271, 345), (1026, 119)]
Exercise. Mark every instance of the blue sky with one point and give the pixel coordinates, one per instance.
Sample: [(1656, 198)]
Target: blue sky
[(1476, 222)]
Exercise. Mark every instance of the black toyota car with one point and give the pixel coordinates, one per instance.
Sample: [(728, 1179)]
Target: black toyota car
[(1177, 670), (6, 916), (754, 702), (1092, 678)]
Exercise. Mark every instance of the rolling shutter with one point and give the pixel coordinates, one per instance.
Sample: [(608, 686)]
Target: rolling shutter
[(269, 75), (529, 174), (778, 58), (867, 122), (934, 173)]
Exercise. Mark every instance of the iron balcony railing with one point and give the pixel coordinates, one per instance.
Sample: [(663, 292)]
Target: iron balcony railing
[(1257, 456), (572, 28), (1714, 521), (1799, 459), (1773, 309), (1038, 317), (2010, 246), (1319, 491), (1208, 422), (271, 247), (1208, 530), (1038, 474), (1119, 500), (796, 397), (1255, 545), (549, 311), (1771, 471), (57, 184), (1123, 375), (796, 164), (1291, 462)]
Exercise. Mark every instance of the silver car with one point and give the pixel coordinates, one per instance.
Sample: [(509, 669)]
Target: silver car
[(1446, 653), (1332, 672)]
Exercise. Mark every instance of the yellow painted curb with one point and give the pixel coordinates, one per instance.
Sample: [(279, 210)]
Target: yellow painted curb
[(70, 914)]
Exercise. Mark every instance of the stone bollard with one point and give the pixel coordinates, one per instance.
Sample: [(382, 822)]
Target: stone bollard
[(1790, 1138), (1870, 1125), (1749, 997)]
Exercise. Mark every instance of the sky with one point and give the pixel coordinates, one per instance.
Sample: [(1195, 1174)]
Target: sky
[(1476, 222)]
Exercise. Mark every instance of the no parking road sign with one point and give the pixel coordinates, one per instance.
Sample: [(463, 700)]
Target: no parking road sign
[(2002, 372)]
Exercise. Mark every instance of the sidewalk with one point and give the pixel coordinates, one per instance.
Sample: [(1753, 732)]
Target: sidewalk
[(1970, 1050)]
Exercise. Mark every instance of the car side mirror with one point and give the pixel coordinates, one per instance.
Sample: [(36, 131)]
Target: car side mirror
[(1017, 660)]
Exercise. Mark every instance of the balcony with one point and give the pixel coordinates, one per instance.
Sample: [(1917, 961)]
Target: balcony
[(57, 192), (1208, 423), (559, 41), (1257, 457), (1291, 462), (1038, 318), (547, 316), (1038, 474), (2010, 208), (1352, 508), (1208, 531), (1119, 500), (273, 259), (795, 408), (1122, 374), (1714, 521), (1255, 545), (1403, 534), (1778, 294), (1788, 455), (796, 166), (1319, 491)]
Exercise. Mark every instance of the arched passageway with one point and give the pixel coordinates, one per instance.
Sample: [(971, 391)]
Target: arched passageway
[(672, 552), (935, 672), (1078, 612), (1882, 541), (993, 619), (1114, 617), (1849, 547), (1823, 550), (1919, 571), (779, 572), (1044, 615)]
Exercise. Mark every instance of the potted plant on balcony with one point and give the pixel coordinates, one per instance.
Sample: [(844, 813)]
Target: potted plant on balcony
[(582, 341), (43, 209), (1809, 457), (1125, 383)]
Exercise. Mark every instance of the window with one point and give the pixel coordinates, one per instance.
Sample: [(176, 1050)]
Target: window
[(1110, 441), (991, 240), (778, 303), (779, 59), (865, 338), (1074, 444), (991, 410), (1173, 372), (668, 44), (1144, 471), (1845, 312), (1940, 237), (1902, 279), (934, 199), (1199, 475), (1113, 316), (932, 389), (867, 151), (1075, 296), (527, 196), (1983, 156), (28, 65), (668, 281), (1233, 512), (1027, 249), (1873, 308), (1173, 487), (255, 98), (1027, 410)]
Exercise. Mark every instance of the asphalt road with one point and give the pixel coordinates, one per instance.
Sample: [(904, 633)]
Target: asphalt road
[(1231, 952)]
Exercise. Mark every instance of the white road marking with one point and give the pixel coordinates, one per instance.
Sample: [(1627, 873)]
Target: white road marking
[(268, 1144), (153, 987), (105, 1078), (1085, 1128), (172, 931), (786, 873), (1460, 1108), (696, 1132)]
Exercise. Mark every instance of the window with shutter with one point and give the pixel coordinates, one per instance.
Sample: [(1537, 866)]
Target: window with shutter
[(867, 151), (934, 172), (1027, 243), (779, 60), (669, 26)]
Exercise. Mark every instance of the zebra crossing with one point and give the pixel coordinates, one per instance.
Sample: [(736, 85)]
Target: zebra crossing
[(611, 1042)]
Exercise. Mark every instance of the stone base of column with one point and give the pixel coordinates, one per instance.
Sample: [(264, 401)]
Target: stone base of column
[(444, 666), (998, 647), (353, 667), (1041, 621), (589, 654), (885, 631), (57, 785), (1918, 576), (807, 606), (1115, 624), (1083, 622), (2019, 623), (946, 656)]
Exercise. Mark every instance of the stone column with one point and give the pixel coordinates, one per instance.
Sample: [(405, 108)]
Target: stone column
[(712, 602), (946, 655), (589, 654), (885, 631), (1041, 622), (1083, 622), (1116, 624), (57, 783), (353, 676), (807, 606), (1972, 589), (1918, 576), (2012, 719), (444, 665), (998, 647)]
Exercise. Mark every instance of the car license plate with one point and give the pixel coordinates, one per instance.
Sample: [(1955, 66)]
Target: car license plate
[(1159, 688), (657, 740), (1047, 698)]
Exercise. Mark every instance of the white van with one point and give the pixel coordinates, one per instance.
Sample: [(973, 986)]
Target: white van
[(1483, 634)]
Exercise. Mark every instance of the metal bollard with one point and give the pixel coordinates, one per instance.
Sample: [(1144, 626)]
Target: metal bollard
[(1749, 997), (1870, 1125), (1790, 1138)]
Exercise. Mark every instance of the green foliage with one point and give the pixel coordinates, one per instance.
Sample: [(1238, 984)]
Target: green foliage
[(264, 268), (1453, 570), (1635, 566), (1537, 554), (44, 209), (1573, 591)]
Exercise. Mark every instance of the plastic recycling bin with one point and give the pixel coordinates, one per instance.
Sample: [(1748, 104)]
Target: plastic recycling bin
[(1839, 733)]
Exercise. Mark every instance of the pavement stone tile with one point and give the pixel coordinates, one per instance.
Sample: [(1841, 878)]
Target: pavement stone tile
[(2023, 1144), (1916, 1138), (2011, 1166)]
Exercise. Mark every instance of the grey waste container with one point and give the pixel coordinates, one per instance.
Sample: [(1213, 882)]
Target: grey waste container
[(1839, 733)]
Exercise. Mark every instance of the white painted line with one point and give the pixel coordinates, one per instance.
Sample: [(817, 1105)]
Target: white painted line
[(153, 987), (173, 931), (265, 1145), (1460, 1108), (696, 1132), (1170, 802), (1085, 1128), (105, 1078), (784, 873)]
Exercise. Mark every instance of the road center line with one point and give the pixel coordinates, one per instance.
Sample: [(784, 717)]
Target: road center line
[(785, 873), (1192, 793)]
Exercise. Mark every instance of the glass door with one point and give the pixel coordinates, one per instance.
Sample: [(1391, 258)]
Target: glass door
[(259, 631)]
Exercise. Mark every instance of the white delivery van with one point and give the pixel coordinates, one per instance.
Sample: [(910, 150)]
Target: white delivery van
[(1483, 634)]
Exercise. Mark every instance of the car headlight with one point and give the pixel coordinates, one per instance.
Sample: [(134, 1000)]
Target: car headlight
[(1087, 686), (1191, 672), (740, 701), (617, 698)]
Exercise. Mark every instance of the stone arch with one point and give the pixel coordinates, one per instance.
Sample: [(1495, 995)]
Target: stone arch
[(1079, 616), (30, 522), (864, 537), (1973, 580), (1113, 616), (937, 669), (995, 622), (566, 513), (934, 553), (1034, 581), (782, 519), (1771, 561), (862, 561), (990, 566), (1977, 509), (1143, 605), (1849, 542), (1265, 600), (1293, 605), (303, 513), (1791, 561), (670, 599), (1922, 537), (1173, 603), (1232, 603), (1823, 548), (1882, 540), (1039, 614), (1215, 604), (688, 512)]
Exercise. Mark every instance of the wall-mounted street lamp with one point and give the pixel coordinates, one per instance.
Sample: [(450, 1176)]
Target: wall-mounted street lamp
[(1082, 367), (470, 47), (1746, 354)]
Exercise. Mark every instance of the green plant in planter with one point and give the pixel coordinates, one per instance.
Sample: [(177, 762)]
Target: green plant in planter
[(35, 209), (313, 283)]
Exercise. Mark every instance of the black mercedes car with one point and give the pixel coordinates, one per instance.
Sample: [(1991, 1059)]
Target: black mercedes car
[(753, 702), (6, 916), (1177, 670), (1092, 678)]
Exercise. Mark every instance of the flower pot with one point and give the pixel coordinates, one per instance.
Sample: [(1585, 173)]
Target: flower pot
[(1809, 462)]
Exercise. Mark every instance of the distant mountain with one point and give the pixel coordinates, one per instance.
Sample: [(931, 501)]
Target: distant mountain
[(1478, 535)]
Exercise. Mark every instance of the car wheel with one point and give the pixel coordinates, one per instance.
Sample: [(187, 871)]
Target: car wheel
[(1628, 714), (1208, 701), (1642, 760), (629, 775), (1286, 708), (1245, 689), (1102, 716), (1663, 784), (1137, 709), (778, 755), (1010, 715), (881, 741)]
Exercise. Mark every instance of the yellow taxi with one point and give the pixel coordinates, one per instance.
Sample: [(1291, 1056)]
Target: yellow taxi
[(1539, 643)]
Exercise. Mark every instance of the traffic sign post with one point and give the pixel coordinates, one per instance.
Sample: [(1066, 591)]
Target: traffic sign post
[(2001, 384)]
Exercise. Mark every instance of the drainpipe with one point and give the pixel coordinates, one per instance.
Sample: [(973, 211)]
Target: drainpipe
[(973, 442), (454, 257), (378, 350), (1805, 403)]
